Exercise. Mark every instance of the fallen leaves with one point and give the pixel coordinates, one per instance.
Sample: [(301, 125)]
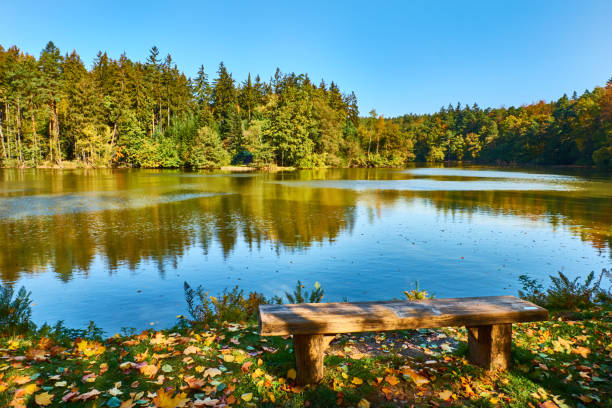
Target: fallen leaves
[(167, 399), (43, 399)]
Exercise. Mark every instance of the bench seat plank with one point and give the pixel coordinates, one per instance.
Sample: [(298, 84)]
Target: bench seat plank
[(332, 318)]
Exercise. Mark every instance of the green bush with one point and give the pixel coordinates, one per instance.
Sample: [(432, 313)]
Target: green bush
[(416, 294), (236, 306), (566, 294), (207, 151), (603, 157), (303, 296), (15, 313), (229, 306)]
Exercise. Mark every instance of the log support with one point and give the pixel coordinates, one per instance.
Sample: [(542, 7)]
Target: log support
[(489, 346), (309, 352)]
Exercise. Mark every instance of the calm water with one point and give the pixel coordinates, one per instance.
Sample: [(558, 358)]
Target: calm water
[(115, 246)]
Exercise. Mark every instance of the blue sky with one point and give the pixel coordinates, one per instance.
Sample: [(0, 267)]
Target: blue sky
[(398, 57)]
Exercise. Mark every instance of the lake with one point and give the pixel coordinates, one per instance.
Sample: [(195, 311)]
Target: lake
[(115, 246)]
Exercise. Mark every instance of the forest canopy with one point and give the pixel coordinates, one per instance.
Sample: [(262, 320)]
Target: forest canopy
[(121, 112)]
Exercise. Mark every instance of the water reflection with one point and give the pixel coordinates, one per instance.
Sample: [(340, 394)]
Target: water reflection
[(62, 221)]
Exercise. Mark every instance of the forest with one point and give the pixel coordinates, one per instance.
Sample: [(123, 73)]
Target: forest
[(55, 112)]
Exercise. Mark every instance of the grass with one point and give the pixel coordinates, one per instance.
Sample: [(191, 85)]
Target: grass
[(564, 362)]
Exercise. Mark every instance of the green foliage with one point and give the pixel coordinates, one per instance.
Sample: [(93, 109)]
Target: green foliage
[(567, 294), (603, 157), (303, 296), (15, 313), (231, 305), (206, 151), (149, 114), (417, 294)]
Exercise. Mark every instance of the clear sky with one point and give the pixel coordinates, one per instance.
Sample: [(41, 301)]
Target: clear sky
[(398, 57)]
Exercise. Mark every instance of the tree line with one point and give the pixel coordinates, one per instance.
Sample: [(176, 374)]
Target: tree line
[(56, 112)]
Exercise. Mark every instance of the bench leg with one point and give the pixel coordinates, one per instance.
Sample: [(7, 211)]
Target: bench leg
[(309, 352), (489, 346)]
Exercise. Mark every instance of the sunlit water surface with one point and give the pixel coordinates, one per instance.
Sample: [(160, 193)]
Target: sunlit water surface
[(115, 246)]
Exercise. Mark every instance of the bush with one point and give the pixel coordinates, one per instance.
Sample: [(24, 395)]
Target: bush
[(229, 306), (417, 294), (603, 157), (235, 306), (207, 150), (566, 294), (15, 313), (302, 296)]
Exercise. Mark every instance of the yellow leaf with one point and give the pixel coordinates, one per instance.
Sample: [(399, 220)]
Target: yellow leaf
[(357, 381), (445, 395), (291, 373), (43, 398), (247, 397), (363, 403), (391, 379), (149, 370), (583, 351), (258, 372), (416, 377), (166, 400)]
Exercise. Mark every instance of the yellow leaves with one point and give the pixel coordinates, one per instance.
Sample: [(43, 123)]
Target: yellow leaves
[(27, 390), (36, 355), (149, 370), (191, 350), (211, 372), (357, 381), (164, 399), (562, 346), (291, 374), (21, 379), (247, 396), (363, 403), (391, 379), (228, 358), (257, 373), (246, 366), (90, 349), (43, 399), (193, 382), (445, 395), (416, 377), (583, 351)]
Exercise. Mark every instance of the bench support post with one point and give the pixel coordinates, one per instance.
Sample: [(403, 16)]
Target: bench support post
[(309, 352), (489, 346)]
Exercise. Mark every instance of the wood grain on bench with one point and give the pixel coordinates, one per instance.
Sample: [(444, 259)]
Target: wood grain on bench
[(332, 318)]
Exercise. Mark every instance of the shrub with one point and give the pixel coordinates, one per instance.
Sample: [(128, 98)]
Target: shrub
[(228, 306), (566, 294), (302, 296), (416, 294), (235, 306), (15, 313)]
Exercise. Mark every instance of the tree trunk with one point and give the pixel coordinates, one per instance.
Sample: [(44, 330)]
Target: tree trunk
[(57, 135), (18, 136), (109, 159), (34, 134), (2, 138)]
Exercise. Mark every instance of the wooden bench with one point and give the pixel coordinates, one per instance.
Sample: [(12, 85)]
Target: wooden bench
[(313, 325)]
